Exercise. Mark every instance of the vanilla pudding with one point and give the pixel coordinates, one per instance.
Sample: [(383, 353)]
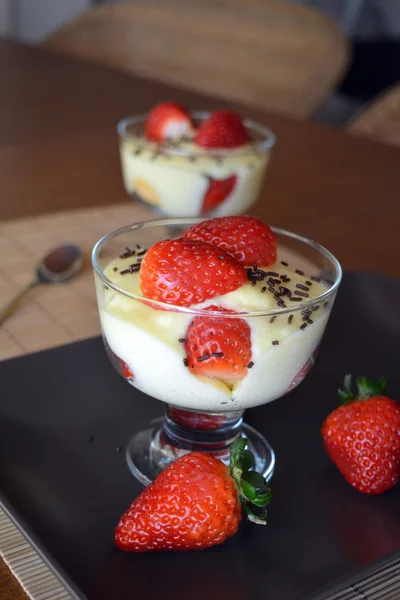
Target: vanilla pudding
[(149, 340), (176, 176)]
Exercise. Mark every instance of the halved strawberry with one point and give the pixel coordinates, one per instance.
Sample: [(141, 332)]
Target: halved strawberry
[(119, 364), (303, 371), (218, 191), (249, 240), (186, 272), (168, 120), (222, 129), (218, 346)]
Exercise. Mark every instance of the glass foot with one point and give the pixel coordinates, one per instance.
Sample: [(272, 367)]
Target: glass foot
[(150, 451)]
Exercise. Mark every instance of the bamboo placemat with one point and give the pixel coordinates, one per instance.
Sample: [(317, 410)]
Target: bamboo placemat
[(53, 315)]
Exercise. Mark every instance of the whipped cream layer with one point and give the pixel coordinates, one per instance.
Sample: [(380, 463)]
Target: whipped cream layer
[(177, 183), (147, 340)]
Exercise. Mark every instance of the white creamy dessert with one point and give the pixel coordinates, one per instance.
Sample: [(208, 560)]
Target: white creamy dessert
[(147, 340), (175, 177)]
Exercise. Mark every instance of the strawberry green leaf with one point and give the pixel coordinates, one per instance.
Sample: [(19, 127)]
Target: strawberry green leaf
[(246, 460), (368, 388), (254, 478), (248, 490), (251, 485)]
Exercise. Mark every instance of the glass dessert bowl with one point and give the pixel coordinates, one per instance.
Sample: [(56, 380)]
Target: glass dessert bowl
[(210, 360), (178, 177)]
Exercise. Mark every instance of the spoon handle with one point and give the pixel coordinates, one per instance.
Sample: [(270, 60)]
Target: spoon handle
[(9, 308)]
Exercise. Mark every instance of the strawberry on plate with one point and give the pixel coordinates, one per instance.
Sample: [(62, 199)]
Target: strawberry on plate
[(195, 503), (222, 129), (186, 272), (362, 437), (217, 192), (168, 120), (249, 240), (218, 346)]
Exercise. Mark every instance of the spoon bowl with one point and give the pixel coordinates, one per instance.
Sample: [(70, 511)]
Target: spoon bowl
[(59, 265)]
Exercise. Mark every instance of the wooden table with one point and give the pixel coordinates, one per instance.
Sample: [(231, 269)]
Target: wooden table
[(58, 150)]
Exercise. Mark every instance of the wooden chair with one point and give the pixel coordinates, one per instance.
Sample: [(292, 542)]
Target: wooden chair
[(380, 120), (261, 53)]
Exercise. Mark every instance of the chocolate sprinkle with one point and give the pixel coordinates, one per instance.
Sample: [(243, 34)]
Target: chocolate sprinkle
[(138, 246), (317, 279), (303, 326), (124, 272), (142, 252), (285, 264), (251, 364), (182, 340), (294, 299), (217, 354), (308, 282), (302, 294), (186, 362), (290, 319), (281, 304), (302, 287), (205, 356), (115, 269), (316, 307), (275, 343), (299, 272), (272, 319), (253, 283), (263, 289)]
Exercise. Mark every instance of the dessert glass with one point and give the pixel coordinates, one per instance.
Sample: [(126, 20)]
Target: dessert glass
[(143, 339), (173, 177)]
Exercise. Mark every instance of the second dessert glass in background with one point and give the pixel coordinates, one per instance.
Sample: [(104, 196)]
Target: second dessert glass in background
[(179, 178)]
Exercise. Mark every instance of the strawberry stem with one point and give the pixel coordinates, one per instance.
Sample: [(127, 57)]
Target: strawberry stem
[(366, 388), (252, 486)]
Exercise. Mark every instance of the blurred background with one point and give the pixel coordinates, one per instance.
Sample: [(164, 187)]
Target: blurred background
[(371, 26)]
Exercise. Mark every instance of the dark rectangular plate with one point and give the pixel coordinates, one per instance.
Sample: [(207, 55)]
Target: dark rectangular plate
[(67, 493)]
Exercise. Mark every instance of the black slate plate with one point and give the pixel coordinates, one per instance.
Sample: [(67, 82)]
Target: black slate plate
[(68, 493)]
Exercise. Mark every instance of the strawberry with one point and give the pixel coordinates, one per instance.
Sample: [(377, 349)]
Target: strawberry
[(186, 272), (218, 191), (167, 120), (194, 503), (194, 420), (249, 240), (218, 346), (119, 364), (362, 437), (222, 129), (303, 371)]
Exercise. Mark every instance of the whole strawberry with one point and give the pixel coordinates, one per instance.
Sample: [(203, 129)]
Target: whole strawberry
[(186, 272), (362, 437), (195, 503)]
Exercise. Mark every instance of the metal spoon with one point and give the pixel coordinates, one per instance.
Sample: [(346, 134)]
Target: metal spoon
[(58, 266)]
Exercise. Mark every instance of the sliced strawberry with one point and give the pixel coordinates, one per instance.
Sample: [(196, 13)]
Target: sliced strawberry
[(186, 272), (167, 121), (193, 420), (218, 346), (222, 129), (249, 240), (303, 371), (119, 364), (218, 191)]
